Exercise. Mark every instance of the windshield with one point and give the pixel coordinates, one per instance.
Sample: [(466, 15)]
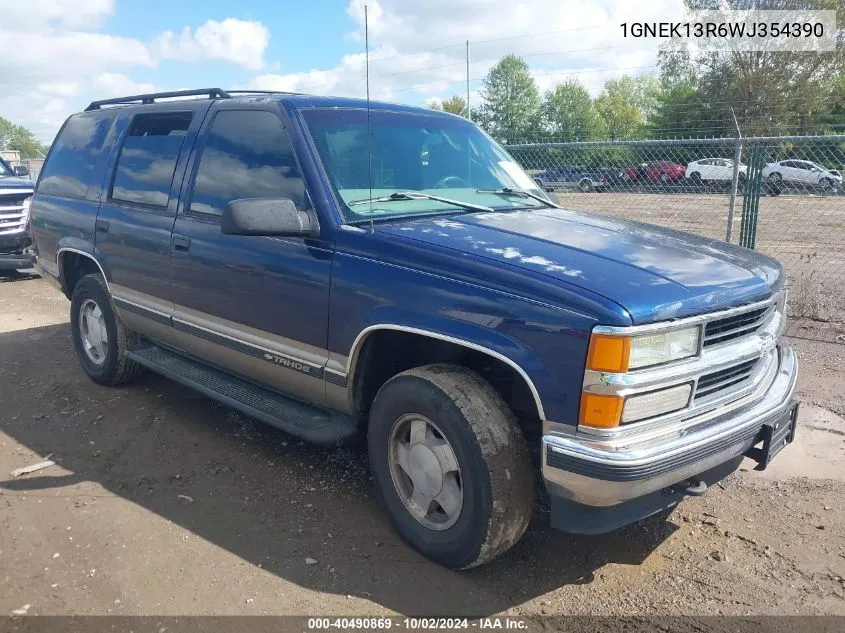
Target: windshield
[(442, 156)]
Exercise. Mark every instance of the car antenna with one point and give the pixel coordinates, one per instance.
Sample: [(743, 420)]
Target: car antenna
[(369, 133)]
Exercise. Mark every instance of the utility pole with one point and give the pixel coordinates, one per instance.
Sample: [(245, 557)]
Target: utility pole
[(469, 109)]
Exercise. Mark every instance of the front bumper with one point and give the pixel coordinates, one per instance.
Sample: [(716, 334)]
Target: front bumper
[(585, 471), (15, 251)]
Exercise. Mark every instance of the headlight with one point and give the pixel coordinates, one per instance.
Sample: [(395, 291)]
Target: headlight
[(655, 349), (612, 353)]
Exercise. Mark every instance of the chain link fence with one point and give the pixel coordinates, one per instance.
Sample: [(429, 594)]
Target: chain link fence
[(782, 196)]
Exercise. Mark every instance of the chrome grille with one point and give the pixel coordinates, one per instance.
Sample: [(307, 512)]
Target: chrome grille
[(13, 213), (736, 326), (723, 380)]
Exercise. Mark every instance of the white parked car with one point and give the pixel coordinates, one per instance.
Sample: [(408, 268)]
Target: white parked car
[(802, 172), (713, 169)]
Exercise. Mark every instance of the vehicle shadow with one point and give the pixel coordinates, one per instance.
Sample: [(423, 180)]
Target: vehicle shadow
[(263, 495), (17, 275)]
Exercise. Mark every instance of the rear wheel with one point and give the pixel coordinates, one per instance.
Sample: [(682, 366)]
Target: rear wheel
[(695, 177), (586, 185), (450, 465), (99, 338)]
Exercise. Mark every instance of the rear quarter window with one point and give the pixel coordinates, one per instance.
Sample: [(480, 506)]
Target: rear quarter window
[(70, 168)]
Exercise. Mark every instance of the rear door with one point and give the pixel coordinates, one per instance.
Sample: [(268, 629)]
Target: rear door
[(138, 207), (253, 305)]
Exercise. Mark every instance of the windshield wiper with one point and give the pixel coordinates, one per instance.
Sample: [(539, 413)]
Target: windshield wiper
[(419, 195), (520, 192)]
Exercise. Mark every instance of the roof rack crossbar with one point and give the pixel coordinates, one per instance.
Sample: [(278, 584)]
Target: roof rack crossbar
[(211, 93)]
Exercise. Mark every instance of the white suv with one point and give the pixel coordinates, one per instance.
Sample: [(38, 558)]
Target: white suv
[(713, 169), (802, 172)]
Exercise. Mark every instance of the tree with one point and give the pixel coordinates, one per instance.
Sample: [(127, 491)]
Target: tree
[(455, 104), (569, 114), (679, 111), (510, 101), (619, 107), (18, 137), (769, 91)]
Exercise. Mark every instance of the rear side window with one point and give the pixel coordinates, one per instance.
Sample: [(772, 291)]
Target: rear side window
[(248, 154), (70, 168), (148, 158)]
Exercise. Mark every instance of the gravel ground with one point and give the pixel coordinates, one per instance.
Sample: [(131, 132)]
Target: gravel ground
[(162, 502)]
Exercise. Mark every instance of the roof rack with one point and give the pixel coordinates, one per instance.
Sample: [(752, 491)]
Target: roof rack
[(262, 92), (211, 93)]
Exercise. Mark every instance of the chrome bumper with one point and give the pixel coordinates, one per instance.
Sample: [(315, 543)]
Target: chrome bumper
[(584, 469)]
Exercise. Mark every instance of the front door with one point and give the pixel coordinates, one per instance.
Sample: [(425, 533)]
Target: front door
[(252, 305)]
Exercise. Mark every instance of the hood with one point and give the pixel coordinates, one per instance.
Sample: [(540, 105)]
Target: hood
[(654, 273), (15, 182)]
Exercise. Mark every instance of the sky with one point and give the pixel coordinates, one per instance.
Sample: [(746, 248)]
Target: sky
[(58, 55)]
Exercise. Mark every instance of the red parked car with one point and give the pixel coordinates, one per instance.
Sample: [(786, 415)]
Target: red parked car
[(664, 171)]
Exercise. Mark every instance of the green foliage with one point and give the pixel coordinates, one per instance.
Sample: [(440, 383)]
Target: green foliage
[(569, 114), (769, 92), (510, 102), (18, 137), (455, 104), (620, 106)]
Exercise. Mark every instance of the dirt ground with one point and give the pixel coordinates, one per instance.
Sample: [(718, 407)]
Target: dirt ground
[(162, 502)]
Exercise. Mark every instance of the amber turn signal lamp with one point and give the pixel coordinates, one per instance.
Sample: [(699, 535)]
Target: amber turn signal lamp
[(609, 353), (600, 410)]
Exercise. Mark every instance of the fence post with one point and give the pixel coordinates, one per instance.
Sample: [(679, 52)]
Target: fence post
[(751, 200), (734, 179)]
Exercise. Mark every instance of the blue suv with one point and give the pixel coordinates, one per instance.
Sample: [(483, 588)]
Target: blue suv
[(343, 269)]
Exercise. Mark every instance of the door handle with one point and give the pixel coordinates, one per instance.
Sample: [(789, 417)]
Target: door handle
[(181, 244), (102, 226)]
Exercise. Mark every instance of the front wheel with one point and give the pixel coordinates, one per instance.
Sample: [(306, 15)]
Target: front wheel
[(450, 465), (827, 184), (586, 185)]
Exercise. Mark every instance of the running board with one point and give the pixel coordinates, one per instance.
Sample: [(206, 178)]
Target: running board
[(305, 421)]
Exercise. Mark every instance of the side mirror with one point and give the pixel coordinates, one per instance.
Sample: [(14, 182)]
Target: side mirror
[(266, 216), (21, 170)]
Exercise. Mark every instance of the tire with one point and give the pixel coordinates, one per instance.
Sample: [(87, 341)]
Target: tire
[(585, 185), (110, 366), (494, 472), (827, 184), (695, 178), (775, 177), (664, 178)]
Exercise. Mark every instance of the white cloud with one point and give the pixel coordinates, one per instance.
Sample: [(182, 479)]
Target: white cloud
[(59, 88), (58, 57), (238, 41), (560, 40), (66, 13), (118, 84)]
